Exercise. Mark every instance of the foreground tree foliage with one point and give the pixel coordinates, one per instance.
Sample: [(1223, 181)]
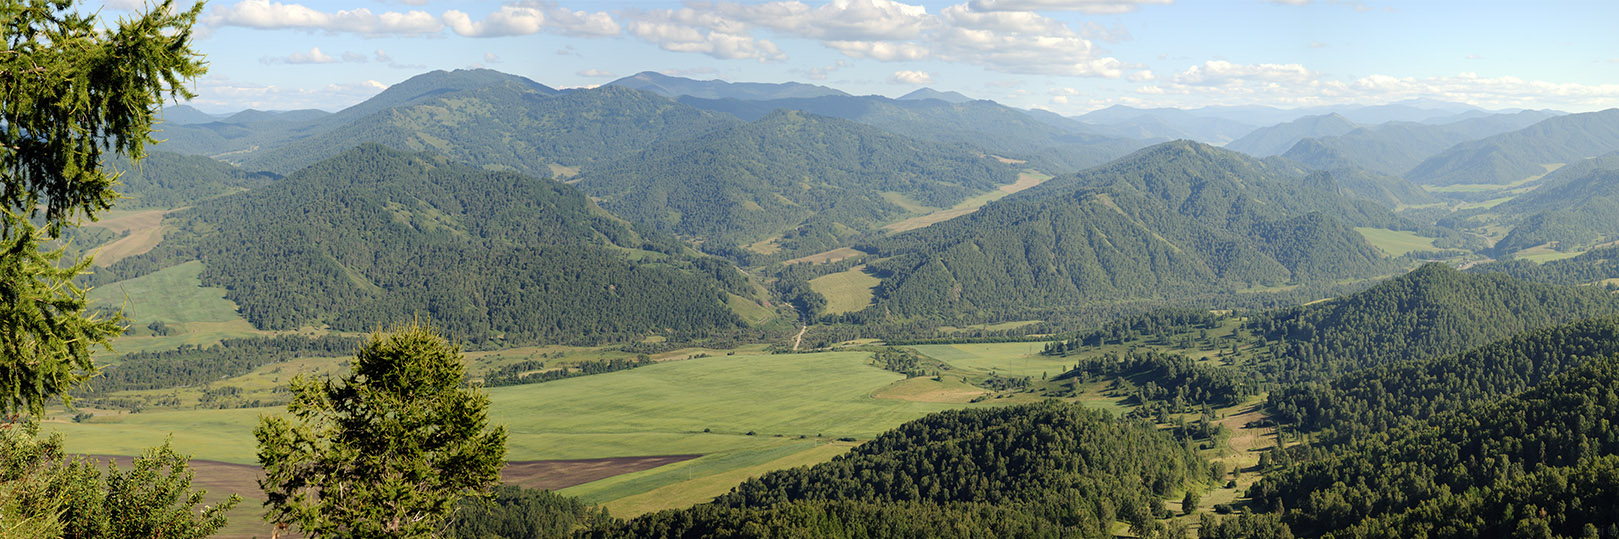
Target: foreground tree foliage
[(514, 512), (69, 89), (387, 450), (44, 493)]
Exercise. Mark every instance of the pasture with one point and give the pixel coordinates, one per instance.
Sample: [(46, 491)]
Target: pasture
[(1395, 242), (846, 291)]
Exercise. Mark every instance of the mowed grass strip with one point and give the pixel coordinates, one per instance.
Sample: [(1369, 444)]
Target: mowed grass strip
[(846, 291), (1395, 242)]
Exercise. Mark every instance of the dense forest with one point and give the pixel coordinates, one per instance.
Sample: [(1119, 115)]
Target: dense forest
[(491, 255), (1048, 469), (821, 181), (1432, 311), (1176, 219), (1521, 154)]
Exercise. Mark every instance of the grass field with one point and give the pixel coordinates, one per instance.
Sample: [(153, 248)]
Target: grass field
[(196, 314), (1025, 180), (1395, 242), (990, 327), (828, 256), (144, 228), (1006, 359), (662, 409), (1543, 254), (846, 291)]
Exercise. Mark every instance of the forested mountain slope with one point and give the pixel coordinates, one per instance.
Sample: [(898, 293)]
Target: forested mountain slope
[(171, 180), (1393, 148), (1273, 140), (1596, 266), (983, 124), (1430, 312), (1518, 155), (1176, 219), (1047, 469), (821, 180), (361, 240), (673, 87), (1536, 464), (512, 126)]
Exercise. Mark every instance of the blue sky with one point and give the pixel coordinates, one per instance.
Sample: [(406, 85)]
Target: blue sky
[(1069, 56)]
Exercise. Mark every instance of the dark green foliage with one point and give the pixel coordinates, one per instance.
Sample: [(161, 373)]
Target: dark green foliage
[(518, 373), (1551, 447), (1375, 400), (1584, 211), (46, 493), (1516, 155), (1244, 526), (509, 125), (170, 180), (1593, 266), (1168, 378), (1038, 470), (513, 512), (789, 171), (673, 87), (904, 361), (192, 366), (1174, 220), (1432, 311), (377, 235), (841, 519), (1161, 322)]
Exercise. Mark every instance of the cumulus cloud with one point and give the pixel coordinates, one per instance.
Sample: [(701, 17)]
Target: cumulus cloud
[(267, 14), (491, 58), (222, 93), (681, 31), (910, 77), (881, 50), (531, 17), (595, 73), (1087, 6), (1142, 76), (1223, 73), (315, 56), (837, 20)]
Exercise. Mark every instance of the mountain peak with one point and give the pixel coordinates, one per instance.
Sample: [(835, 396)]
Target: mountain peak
[(929, 93), (672, 87)]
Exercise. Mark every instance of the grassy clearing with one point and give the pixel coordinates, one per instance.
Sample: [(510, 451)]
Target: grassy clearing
[(195, 314), (945, 389), (1542, 254), (144, 229), (751, 312), (827, 257), (990, 327), (704, 488), (1395, 242), (846, 291), (1006, 359), (1025, 180)]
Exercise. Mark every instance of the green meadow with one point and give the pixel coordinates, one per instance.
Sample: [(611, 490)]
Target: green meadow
[(1395, 242), (846, 291)]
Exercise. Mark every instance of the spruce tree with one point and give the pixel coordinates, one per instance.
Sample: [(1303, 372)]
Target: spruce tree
[(387, 450)]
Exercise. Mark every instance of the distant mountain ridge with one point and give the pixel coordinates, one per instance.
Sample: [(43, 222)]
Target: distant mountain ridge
[(673, 87), (1276, 139), (1518, 155)]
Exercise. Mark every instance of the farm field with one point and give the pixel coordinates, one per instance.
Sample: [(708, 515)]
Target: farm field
[(195, 314), (1395, 242), (846, 291)]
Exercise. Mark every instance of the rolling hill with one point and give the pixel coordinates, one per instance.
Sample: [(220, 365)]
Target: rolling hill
[(1276, 139), (1176, 219), (822, 181), (1518, 155), (672, 87), (374, 234), (1395, 147)]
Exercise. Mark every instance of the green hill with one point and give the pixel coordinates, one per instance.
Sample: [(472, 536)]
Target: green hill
[(1395, 147), (820, 180), (1575, 207), (1047, 470), (1430, 312), (1543, 463), (1175, 220), (1597, 266), (509, 125), (1510, 157), (171, 180), (376, 235), (1273, 140)]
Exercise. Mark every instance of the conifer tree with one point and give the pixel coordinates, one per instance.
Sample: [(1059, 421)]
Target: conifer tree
[(386, 451)]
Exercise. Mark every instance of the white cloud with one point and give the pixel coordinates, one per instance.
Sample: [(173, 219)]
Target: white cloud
[(820, 73), (1142, 76), (266, 14), (881, 50), (910, 77), (837, 20), (688, 30), (490, 58), (1318, 45), (1060, 100), (595, 73), (223, 94), (354, 57), (1150, 89), (315, 56), (1087, 6), (1223, 73), (529, 17)]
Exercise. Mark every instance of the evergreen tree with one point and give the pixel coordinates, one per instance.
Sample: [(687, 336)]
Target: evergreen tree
[(388, 450), (68, 90)]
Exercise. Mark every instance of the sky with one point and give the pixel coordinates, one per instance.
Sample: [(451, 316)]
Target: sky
[(1067, 56)]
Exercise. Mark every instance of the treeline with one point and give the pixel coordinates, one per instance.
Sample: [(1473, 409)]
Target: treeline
[(1430, 312), (1173, 379), (513, 512), (193, 366), (1540, 463), (1593, 266), (1047, 469), (1373, 401), (522, 371), (1161, 324)]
